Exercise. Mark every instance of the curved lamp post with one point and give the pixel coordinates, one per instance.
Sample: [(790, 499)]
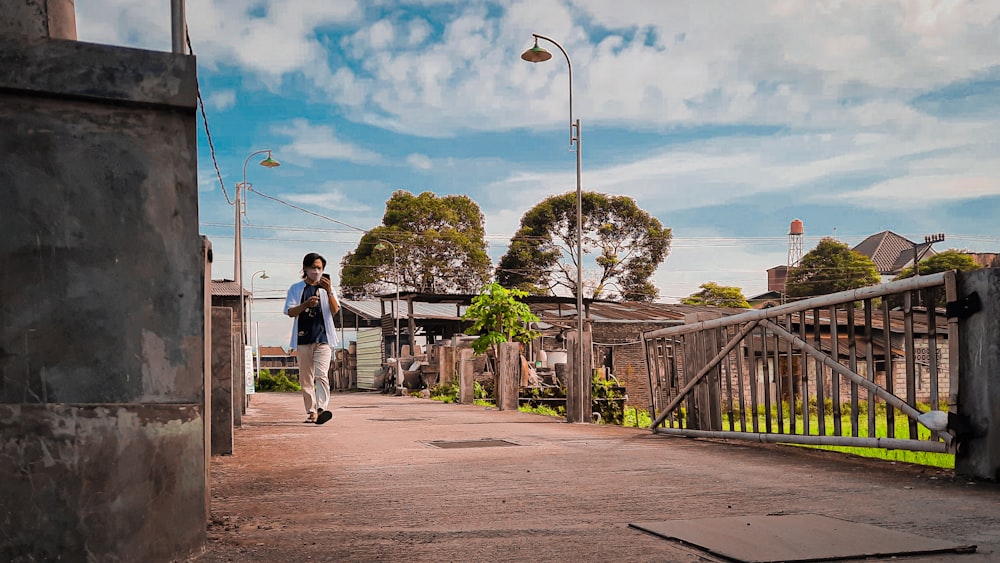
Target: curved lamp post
[(395, 307), (537, 54), (256, 331), (240, 205)]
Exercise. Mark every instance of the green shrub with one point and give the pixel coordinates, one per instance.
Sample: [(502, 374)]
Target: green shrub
[(276, 382)]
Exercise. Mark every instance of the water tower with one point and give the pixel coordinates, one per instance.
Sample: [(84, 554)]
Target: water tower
[(795, 232)]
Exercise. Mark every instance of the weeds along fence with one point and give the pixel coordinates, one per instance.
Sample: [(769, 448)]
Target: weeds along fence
[(855, 368)]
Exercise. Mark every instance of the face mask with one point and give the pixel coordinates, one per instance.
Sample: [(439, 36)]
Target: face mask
[(313, 274)]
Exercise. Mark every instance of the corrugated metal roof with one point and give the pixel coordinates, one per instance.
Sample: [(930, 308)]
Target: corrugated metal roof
[(372, 310), (227, 288)]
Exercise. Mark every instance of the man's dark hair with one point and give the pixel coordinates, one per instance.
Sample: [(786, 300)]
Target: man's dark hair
[(308, 260)]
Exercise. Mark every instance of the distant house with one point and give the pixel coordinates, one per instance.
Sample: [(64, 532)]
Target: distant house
[(893, 253), (276, 358)]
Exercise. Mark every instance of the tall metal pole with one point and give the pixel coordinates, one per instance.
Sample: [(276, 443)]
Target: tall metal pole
[(574, 141), (238, 250), (395, 306)]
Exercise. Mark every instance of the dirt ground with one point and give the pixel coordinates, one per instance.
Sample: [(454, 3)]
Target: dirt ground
[(371, 485)]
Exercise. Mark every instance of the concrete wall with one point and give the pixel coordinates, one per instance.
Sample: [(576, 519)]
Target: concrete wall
[(102, 298)]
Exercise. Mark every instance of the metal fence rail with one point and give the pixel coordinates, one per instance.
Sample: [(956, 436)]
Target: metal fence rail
[(840, 370)]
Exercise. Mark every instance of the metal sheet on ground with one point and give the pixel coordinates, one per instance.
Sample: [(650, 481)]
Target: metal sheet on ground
[(794, 537)]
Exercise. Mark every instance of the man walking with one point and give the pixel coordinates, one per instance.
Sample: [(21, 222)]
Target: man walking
[(311, 302)]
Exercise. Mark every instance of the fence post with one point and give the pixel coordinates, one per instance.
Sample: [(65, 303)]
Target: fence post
[(466, 377), (508, 377), (446, 364), (705, 407), (978, 455)]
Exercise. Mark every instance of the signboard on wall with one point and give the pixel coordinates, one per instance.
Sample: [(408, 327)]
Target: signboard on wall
[(248, 369)]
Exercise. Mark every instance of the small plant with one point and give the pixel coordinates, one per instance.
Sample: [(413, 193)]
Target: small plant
[(276, 382), (499, 317)]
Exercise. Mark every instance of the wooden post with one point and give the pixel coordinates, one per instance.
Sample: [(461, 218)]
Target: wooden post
[(446, 364), (578, 381), (466, 377), (705, 412), (979, 376), (508, 380)]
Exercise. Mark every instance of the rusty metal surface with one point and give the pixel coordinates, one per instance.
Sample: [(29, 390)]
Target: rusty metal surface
[(795, 537)]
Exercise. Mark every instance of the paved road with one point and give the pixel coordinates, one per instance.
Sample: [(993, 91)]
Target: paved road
[(371, 486)]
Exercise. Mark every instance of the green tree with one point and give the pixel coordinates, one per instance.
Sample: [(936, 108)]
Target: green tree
[(629, 243), (434, 245), (830, 267), (717, 296), (942, 262), (499, 317)]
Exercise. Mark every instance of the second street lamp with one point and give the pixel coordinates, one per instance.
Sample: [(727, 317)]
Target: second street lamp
[(536, 55), (255, 334), (239, 204), (395, 307)]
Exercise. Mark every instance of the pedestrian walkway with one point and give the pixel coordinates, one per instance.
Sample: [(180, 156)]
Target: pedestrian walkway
[(408, 479)]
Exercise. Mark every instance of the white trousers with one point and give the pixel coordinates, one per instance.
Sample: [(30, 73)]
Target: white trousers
[(314, 375)]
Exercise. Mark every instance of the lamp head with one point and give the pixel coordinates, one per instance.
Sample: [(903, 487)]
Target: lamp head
[(536, 54), (269, 162), (264, 276), (380, 246)]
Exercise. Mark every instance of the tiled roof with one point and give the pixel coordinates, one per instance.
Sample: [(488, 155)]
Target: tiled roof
[(227, 288), (890, 252)]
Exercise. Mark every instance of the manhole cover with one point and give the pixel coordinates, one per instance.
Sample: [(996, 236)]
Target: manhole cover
[(795, 537), (484, 443)]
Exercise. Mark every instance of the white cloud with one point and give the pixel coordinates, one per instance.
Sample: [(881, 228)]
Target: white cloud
[(221, 99), (419, 161), (321, 142)]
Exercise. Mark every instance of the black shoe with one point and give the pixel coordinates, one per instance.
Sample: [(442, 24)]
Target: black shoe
[(324, 417)]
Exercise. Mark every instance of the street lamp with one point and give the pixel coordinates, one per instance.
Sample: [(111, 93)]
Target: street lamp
[(256, 331), (240, 204), (537, 54), (395, 306)]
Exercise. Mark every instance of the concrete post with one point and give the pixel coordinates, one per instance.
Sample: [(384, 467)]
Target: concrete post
[(979, 376), (222, 414), (466, 377), (508, 377), (579, 395), (446, 364)]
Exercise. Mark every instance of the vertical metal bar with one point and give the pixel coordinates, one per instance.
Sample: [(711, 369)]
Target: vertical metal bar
[(838, 429), (752, 373), (741, 389), (820, 386), (890, 376), (870, 366), (932, 356), (950, 295), (729, 332), (911, 366), (767, 375), (789, 353), (804, 361), (778, 385), (653, 372), (852, 353)]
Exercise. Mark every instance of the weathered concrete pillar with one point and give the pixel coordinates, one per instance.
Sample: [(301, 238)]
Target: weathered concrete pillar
[(102, 296), (446, 364), (39, 19), (466, 377), (979, 376), (579, 395), (223, 397), (508, 378)]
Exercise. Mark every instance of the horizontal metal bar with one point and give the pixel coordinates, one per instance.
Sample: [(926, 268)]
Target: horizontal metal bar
[(909, 284), (811, 440)]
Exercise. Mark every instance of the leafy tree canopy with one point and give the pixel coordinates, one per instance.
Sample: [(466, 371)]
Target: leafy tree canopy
[(425, 243), (830, 267), (629, 243), (498, 317), (717, 296), (942, 262)]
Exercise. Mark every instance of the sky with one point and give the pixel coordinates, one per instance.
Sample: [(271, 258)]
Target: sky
[(724, 119)]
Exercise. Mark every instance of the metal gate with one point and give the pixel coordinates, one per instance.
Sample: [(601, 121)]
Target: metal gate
[(869, 367)]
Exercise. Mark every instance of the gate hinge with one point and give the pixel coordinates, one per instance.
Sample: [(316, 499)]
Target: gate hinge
[(965, 307)]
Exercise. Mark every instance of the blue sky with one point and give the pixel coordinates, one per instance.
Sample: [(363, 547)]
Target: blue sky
[(723, 119)]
